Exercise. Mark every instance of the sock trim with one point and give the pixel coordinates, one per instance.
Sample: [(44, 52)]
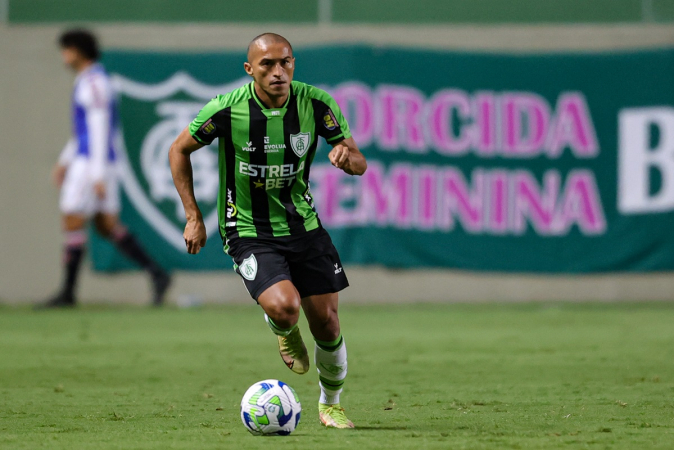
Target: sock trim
[(278, 330), (331, 385), (330, 346)]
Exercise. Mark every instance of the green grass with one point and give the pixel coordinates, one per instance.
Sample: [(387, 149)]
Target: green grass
[(596, 376)]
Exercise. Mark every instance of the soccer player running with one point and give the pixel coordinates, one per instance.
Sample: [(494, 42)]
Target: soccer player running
[(86, 171), (268, 131)]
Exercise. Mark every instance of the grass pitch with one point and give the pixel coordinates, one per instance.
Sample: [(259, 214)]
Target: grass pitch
[(420, 376)]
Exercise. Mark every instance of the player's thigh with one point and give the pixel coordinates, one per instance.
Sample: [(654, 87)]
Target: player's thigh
[(259, 268)]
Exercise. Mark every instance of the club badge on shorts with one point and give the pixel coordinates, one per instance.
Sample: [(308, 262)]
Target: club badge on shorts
[(248, 268)]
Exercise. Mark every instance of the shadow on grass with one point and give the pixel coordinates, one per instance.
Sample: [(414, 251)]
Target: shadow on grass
[(376, 428)]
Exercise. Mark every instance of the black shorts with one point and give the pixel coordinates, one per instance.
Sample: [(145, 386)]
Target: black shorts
[(309, 261)]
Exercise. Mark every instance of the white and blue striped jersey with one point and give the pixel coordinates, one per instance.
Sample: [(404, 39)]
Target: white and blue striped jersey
[(94, 121)]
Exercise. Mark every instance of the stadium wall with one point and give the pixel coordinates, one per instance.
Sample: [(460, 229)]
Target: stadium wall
[(35, 93)]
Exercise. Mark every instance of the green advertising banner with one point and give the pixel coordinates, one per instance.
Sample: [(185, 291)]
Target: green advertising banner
[(497, 162)]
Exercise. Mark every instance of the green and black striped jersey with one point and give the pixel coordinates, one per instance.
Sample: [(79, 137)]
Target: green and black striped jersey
[(265, 155)]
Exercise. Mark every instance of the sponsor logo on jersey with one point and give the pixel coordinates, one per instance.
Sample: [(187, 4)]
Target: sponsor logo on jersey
[(248, 147), (231, 207), (338, 269), (300, 143), (272, 148), (248, 268), (275, 176), (208, 127), (329, 120)]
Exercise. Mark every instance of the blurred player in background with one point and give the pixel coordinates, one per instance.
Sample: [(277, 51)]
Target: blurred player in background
[(86, 170), (268, 133)]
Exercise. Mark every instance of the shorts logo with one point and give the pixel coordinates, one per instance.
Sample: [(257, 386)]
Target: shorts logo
[(248, 268), (208, 127), (329, 120), (300, 143), (338, 269)]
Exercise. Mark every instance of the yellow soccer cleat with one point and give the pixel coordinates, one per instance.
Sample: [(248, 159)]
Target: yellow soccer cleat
[(333, 416), (294, 352)]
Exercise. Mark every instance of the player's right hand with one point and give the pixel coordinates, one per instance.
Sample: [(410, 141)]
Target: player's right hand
[(58, 174), (195, 235)]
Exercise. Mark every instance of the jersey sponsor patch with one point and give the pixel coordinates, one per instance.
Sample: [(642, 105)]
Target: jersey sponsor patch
[(329, 120), (248, 268), (208, 127)]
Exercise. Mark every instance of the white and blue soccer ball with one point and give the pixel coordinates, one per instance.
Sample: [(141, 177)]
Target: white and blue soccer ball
[(270, 407)]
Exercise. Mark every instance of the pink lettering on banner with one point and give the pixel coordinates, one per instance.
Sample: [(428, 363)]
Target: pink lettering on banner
[(532, 203), (440, 117), (401, 110), (581, 205), (498, 201), (430, 198), (355, 100), (458, 199), (387, 199), (525, 123), (572, 127), (485, 123), (427, 188)]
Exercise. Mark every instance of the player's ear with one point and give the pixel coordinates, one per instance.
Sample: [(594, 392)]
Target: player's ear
[(248, 68)]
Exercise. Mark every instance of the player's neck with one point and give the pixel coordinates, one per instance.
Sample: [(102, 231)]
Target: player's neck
[(83, 65), (271, 102)]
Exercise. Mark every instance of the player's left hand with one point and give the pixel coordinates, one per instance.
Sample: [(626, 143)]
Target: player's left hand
[(339, 156), (100, 189)]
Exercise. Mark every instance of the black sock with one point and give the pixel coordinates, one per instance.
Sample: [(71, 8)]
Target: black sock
[(128, 245), (72, 262)]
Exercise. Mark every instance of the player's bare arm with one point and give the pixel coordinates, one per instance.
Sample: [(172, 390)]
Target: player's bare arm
[(181, 169), (345, 155)]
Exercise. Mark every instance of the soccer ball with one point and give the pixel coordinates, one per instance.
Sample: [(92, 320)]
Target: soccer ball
[(270, 407)]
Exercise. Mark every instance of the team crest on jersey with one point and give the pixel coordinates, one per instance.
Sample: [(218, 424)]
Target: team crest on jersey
[(248, 268), (300, 143), (145, 174)]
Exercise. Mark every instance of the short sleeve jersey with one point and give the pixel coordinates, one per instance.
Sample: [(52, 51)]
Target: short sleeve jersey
[(93, 91), (265, 155)]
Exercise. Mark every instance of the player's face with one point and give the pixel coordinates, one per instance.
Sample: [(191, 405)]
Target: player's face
[(272, 66), (71, 57)]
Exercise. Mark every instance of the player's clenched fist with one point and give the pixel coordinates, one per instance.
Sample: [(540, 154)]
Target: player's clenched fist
[(339, 156), (195, 235)]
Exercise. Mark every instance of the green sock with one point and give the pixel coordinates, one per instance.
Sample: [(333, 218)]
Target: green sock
[(330, 346), (278, 330)]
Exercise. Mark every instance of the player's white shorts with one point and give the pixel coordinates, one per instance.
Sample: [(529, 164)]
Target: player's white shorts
[(78, 195)]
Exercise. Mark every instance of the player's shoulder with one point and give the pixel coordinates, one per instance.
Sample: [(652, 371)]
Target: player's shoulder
[(94, 87), (308, 91), (224, 101)]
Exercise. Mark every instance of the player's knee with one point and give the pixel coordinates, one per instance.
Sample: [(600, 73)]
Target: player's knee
[(285, 309), (104, 230), (288, 305)]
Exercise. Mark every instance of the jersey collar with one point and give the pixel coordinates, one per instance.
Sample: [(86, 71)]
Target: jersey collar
[(263, 105)]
